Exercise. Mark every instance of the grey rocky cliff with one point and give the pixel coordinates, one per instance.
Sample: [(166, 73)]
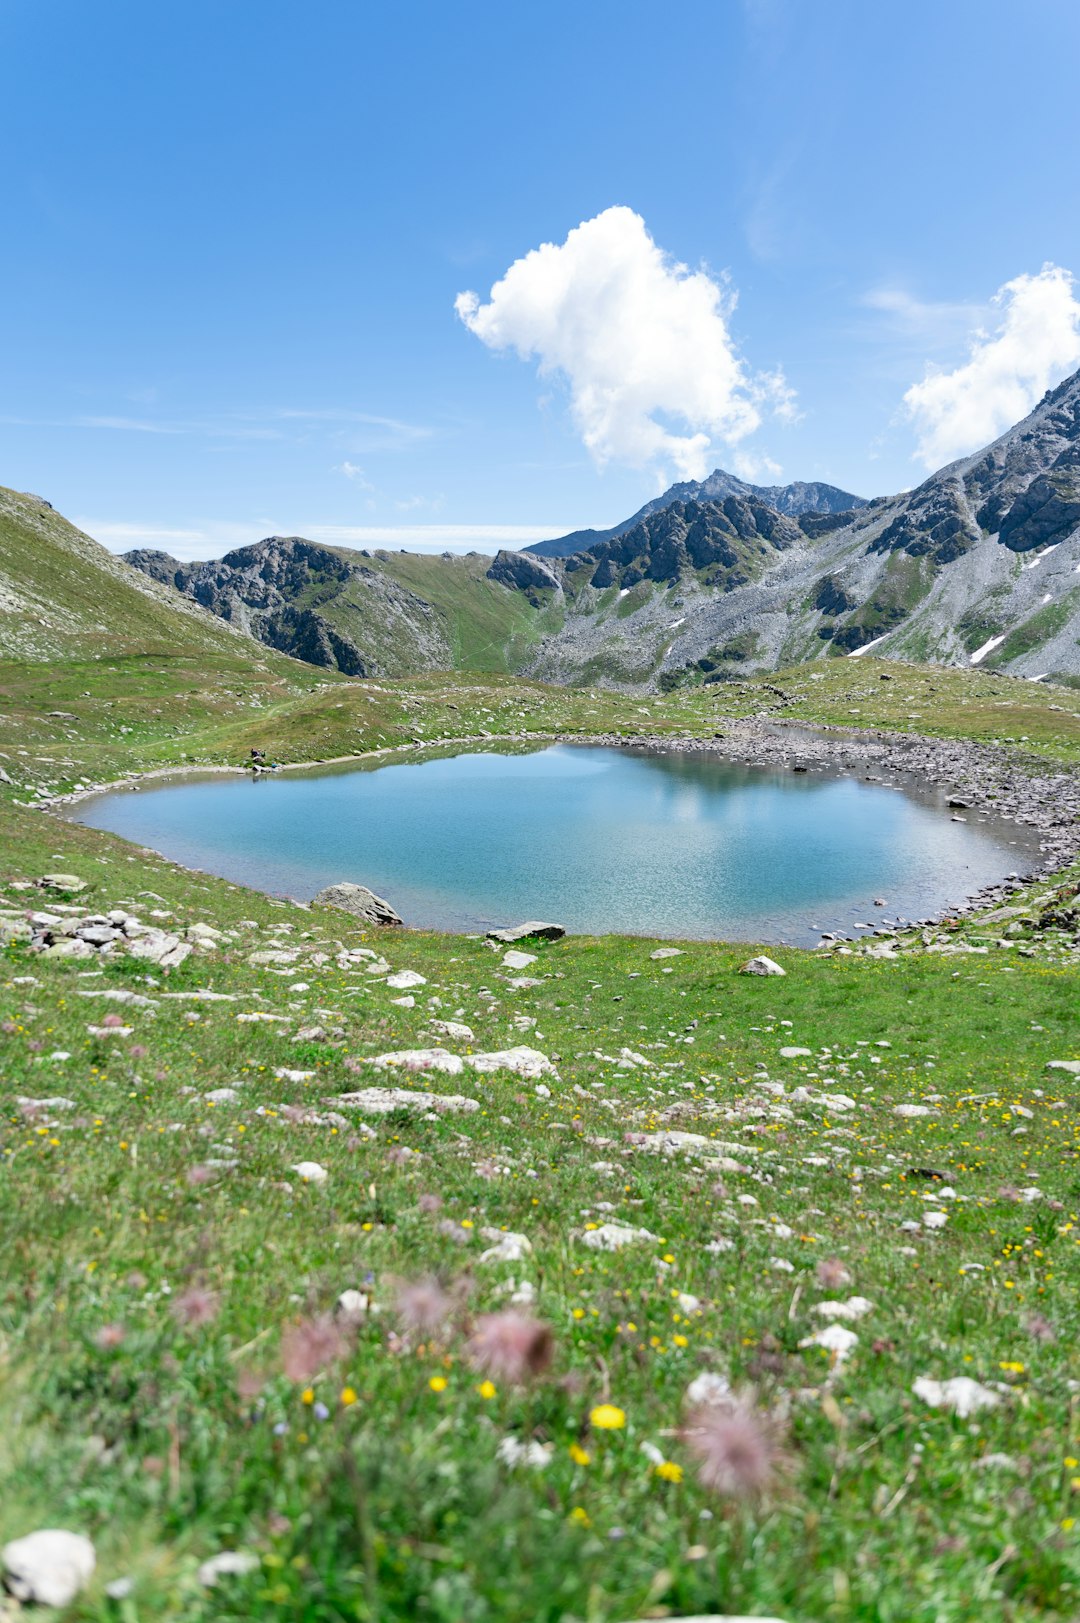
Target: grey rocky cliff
[(309, 601), (792, 500), (978, 565)]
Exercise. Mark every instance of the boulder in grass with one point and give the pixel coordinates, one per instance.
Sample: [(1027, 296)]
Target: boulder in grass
[(532, 929), (69, 882), (761, 966), (49, 1567), (359, 901)]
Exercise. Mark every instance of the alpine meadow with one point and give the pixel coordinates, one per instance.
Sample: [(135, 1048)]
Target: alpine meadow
[(540, 1061)]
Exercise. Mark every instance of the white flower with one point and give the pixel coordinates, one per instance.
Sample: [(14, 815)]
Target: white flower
[(960, 1394), (512, 1451)]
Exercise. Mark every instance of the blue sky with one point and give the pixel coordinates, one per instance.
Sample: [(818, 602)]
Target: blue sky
[(237, 232)]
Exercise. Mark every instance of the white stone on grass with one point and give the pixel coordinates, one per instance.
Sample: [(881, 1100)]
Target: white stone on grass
[(614, 1237), (310, 1171), (761, 966), (229, 1564), (960, 1394), (856, 1307), (403, 980), (833, 1339), (518, 960), (49, 1567), (421, 1059), (381, 1101)]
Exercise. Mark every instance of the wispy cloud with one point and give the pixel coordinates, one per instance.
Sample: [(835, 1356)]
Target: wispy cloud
[(353, 471), (929, 322), (359, 431)]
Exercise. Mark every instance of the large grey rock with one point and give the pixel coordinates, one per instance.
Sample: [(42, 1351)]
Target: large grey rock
[(359, 901), (761, 966), (69, 882), (49, 1567), (532, 928)]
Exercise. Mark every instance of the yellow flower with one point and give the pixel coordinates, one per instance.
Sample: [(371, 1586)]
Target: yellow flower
[(485, 1389), (579, 1313), (438, 1383), (307, 1395), (680, 1341), (581, 1516), (669, 1471), (606, 1417), (348, 1396), (1071, 1462), (579, 1455)]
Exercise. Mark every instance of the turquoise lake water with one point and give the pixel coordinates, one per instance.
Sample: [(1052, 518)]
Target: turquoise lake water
[(598, 839)]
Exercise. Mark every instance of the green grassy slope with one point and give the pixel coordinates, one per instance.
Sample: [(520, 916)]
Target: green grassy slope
[(489, 627), (161, 1252)]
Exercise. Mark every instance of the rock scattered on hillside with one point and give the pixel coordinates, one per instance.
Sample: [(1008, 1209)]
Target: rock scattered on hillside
[(359, 901)]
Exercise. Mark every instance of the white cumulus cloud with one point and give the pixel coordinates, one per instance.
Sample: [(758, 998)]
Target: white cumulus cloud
[(643, 342), (1035, 343)]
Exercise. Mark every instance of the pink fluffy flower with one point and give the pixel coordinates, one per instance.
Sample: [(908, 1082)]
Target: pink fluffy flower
[(424, 1305), (737, 1448), (511, 1346), (195, 1307), (308, 1347)]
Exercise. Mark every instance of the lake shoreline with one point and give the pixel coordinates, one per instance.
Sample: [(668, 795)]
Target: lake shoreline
[(987, 780)]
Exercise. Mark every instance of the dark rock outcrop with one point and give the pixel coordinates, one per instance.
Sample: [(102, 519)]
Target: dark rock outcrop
[(307, 601)]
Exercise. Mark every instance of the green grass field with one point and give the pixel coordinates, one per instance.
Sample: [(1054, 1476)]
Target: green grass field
[(888, 1136)]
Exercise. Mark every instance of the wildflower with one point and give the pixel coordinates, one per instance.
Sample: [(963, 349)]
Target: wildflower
[(109, 1336), (348, 1396), (668, 1471), (308, 1347), (581, 1516), (511, 1345), (606, 1417), (438, 1383), (320, 1411), (195, 1307), (423, 1305), (831, 1274), (430, 1203), (579, 1455), (736, 1446), (198, 1175), (486, 1390), (1040, 1328), (307, 1395), (512, 1451)]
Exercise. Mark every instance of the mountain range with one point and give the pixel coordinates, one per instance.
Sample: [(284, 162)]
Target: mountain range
[(978, 565), (792, 500)]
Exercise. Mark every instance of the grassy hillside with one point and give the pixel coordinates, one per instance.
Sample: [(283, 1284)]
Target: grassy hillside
[(489, 627), (167, 1385), (882, 1134)]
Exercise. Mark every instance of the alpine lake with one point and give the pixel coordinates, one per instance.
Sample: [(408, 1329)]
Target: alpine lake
[(598, 838)]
